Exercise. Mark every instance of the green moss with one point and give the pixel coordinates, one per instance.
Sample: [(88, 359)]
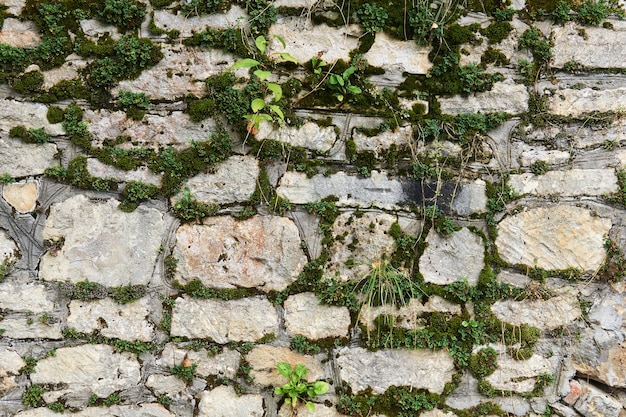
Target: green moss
[(55, 114), (484, 362), (28, 83), (125, 14), (128, 294), (200, 109), (227, 39), (497, 31), (65, 89), (493, 56)]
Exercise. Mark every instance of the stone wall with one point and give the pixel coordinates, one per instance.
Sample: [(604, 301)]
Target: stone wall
[(444, 238)]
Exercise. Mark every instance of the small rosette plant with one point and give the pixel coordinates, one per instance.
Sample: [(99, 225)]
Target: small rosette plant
[(298, 389)]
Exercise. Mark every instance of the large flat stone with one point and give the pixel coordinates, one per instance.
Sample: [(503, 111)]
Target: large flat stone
[(102, 244), (598, 48), (222, 401), (141, 174), (594, 402), (306, 316), (21, 196), (421, 369), (10, 362), (13, 294), (143, 410), (398, 56), (122, 321), (27, 326), (20, 159), (187, 24), (9, 252), (263, 360), (451, 259), (518, 375), (182, 71), (310, 135), (223, 365), (19, 34), (503, 97), (401, 138), (262, 252), (336, 42), (242, 320), (91, 368), (556, 237), (544, 314), (573, 182), (233, 181), (153, 130), (29, 115)]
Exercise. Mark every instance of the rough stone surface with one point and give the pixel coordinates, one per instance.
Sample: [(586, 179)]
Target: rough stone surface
[(21, 196), (518, 375), (103, 245), (122, 321), (543, 314), (574, 182), (154, 130), (306, 316), (402, 137), (10, 362), (599, 48), (352, 256), (93, 368), (13, 293), (454, 258), (595, 403), (14, 7), (26, 326), (241, 320), (187, 24), (20, 159), (94, 29), (503, 97), (222, 365), (222, 401), (398, 56), (68, 71), (8, 250), (19, 34), (262, 252), (233, 181), (557, 237), (335, 42), (408, 316), (189, 68), (263, 360), (575, 96), (142, 174), (421, 368), (143, 410), (29, 115), (310, 135), (471, 198)]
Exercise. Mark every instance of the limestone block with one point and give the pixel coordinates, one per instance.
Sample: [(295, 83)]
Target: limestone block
[(27, 326), (141, 174), (8, 250), (262, 252), (420, 368), (518, 376), (24, 297), (310, 135), (224, 365), (306, 316), (21, 196), (336, 42), (263, 360), (569, 95), (102, 244), (530, 155), (166, 384), (401, 138), (222, 401), (19, 34), (94, 368), (29, 115), (235, 17), (122, 321), (596, 403), (20, 159), (599, 48), (573, 182), (10, 362), (408, 316), (543, 314), (143, 410), (398, 56), (503, 97), (182, 71), (94, 29), (233, 181), (14, 7), (242, 320), (556, 237), (68, 71), (454, 258), (153, 130), (352, 256), (470, 198)]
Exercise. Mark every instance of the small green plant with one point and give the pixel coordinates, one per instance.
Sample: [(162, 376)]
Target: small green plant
[(112, 400), (188, 209), (372, 17), (561, 12), (6, 178), (484, 362), (534, 41), (33, 396), (57, 407), (297, 389), (539, 167), (185, 371), (135, 104), (128, 293), (341, 84), (593, 12), (29, 82), (126, 14), (29, 366)]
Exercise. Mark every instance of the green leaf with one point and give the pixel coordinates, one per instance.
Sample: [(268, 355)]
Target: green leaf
[(257, 104), (281, 40), (245, 63), (320, 387), (262, 74), (278, 111), (310, 406), (338, 96), (354, 89), (286, 56), (278, 391), (261, 43), (348, 72), (276, 90), (300, 371)]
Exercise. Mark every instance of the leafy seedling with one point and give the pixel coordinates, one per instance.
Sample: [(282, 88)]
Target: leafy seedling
[(342, 85), (298, 389)]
